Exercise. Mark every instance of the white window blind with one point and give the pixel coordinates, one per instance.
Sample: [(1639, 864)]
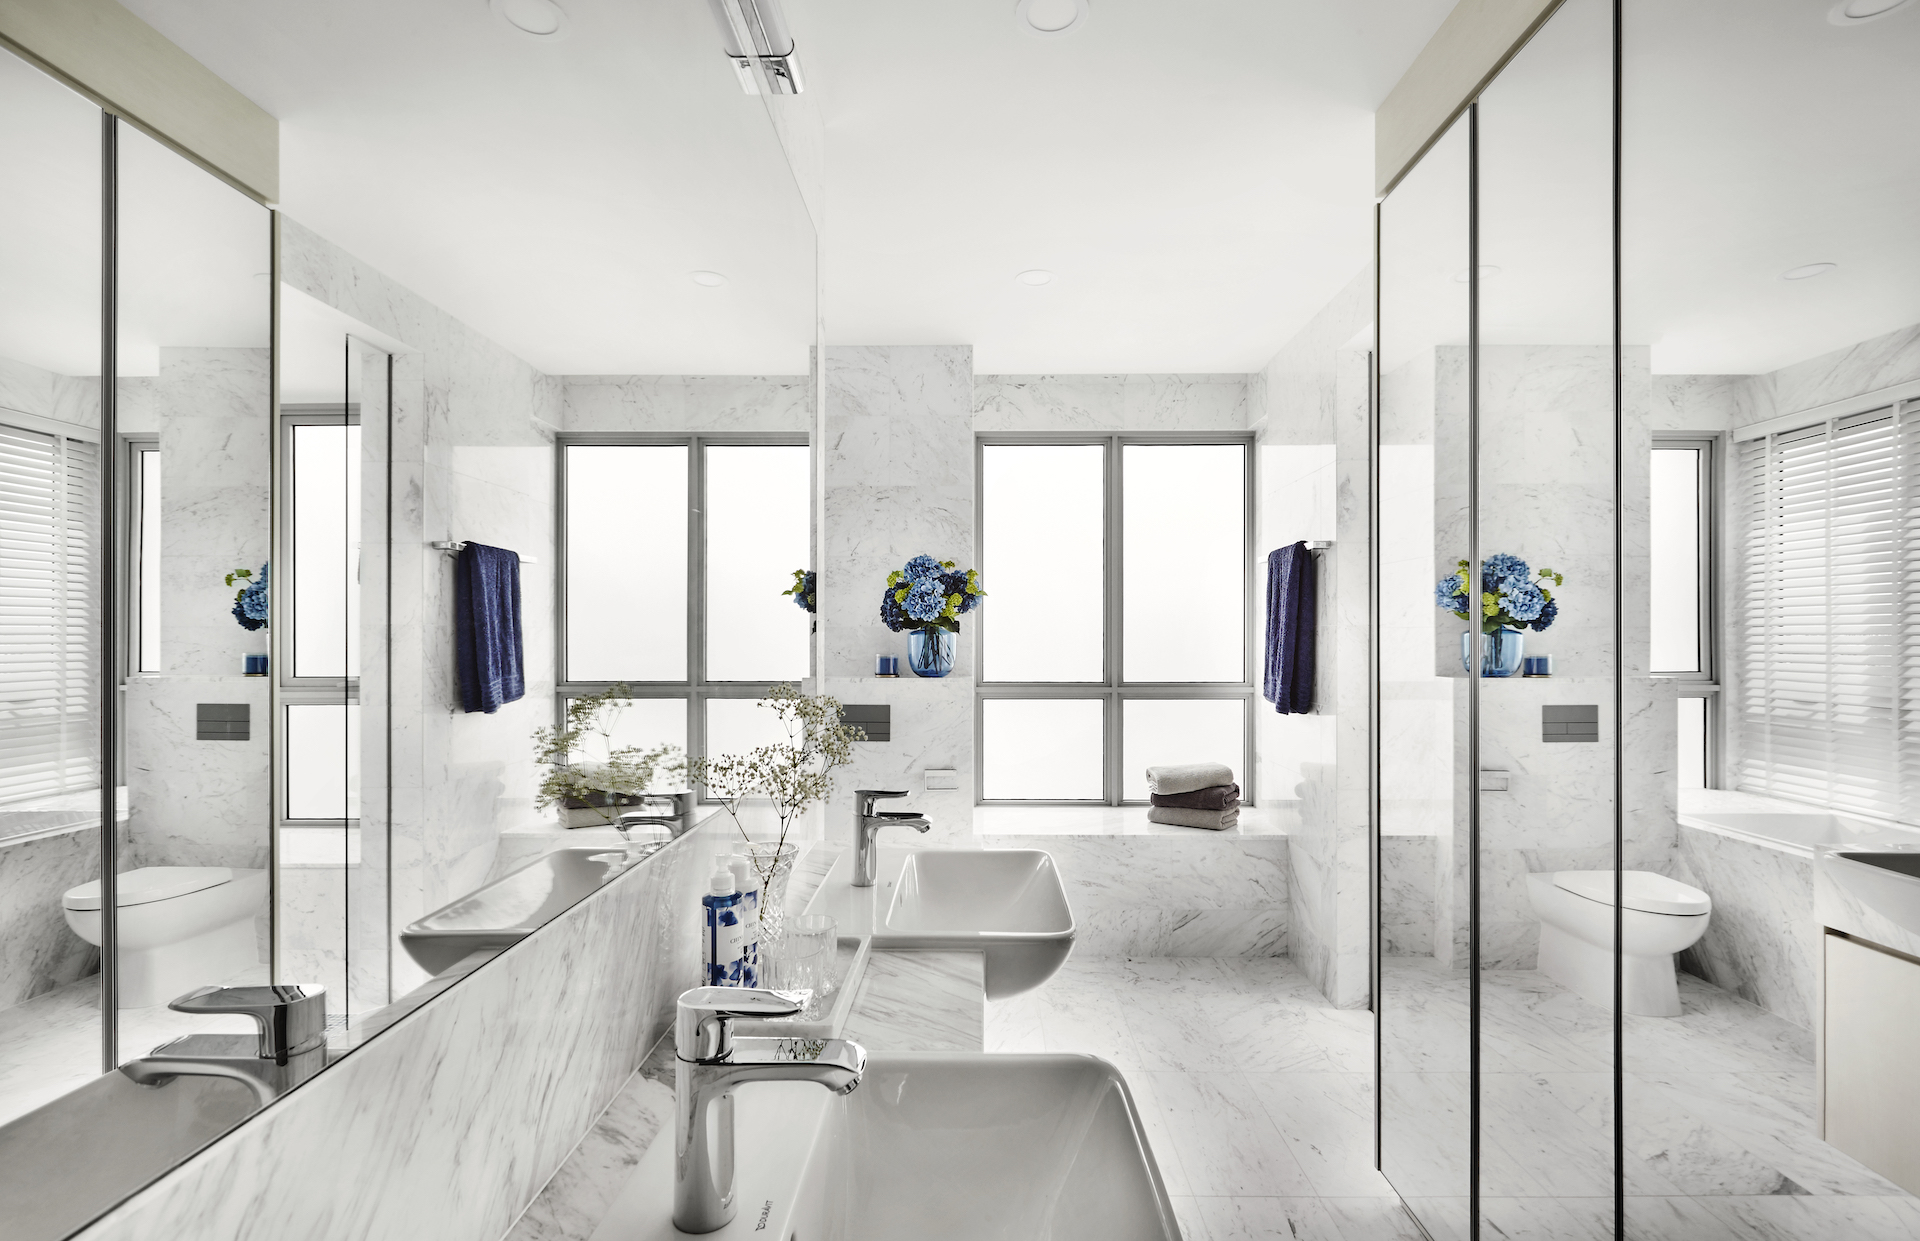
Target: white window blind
[(49, 487), (1826, 600)]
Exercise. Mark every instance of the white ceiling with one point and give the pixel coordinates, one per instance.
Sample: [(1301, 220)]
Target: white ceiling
[(1197, 175)]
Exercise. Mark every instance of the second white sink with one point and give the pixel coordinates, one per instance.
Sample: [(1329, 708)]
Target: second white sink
[(1007, 903)]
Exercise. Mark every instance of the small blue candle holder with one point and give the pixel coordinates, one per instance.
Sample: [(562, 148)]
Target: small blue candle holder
[(256, 665), (886, 665)]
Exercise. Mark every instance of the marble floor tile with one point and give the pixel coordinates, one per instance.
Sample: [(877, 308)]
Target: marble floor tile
[(1198, 1108), (1676, 1219), (920, 1001), (1267, 1219), (1154, 1119), (1326, 1120), (1801, 1217)]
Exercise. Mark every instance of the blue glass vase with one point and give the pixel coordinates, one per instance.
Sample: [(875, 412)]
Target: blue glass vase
[(930, 652), (1502, 653)]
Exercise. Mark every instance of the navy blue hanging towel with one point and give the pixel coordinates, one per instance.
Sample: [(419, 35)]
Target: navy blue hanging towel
[(486, 627), (1288, 683)]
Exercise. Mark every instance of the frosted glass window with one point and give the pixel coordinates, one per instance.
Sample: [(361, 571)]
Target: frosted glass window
[(146, 559), (1043, 749), (1692, 766), (1160, 732), (642, 723), (738, 725), (626, 559), (757, 526), (1043, 558), (1185, 560), (324, 591), (1674, 517), (323, 761)]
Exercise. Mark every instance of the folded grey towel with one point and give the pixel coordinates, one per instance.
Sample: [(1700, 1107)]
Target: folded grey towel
[(1217, 820), (1187, 777), (1219, 797)]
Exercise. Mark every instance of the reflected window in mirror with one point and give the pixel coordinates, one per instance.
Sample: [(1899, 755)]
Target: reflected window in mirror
[(144, 542), (675, 552), (1681, 521)]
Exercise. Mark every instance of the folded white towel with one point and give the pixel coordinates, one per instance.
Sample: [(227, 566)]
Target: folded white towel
[(1187, 777), (1176, 816)]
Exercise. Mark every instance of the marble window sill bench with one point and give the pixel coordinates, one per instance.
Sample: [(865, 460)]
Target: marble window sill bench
[(991, 821)]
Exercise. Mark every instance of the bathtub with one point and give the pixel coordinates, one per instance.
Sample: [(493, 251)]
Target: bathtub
[(1798, 832)]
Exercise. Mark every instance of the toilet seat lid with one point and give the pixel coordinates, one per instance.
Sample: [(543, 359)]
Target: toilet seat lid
[(149, 884), (1640, 889)]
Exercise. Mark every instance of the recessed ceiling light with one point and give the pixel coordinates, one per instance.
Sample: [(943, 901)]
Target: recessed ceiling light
[(1487, 272), (1807, 271), (1035, 276), (1048, 18), (708, 279), (542, 19), (1853, 12)]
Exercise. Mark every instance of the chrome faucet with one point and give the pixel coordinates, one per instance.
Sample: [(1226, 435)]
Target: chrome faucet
[(709, 1062), (289, 1047), (866, 853)]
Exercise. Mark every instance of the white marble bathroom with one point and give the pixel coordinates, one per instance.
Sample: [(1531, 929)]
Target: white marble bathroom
[(1036, 618)]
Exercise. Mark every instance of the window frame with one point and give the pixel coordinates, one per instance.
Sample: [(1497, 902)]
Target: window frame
[(696, 689), (1705, 683), (1114, 690)]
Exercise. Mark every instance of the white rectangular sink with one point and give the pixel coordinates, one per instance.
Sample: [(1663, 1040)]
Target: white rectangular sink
[(933, 1146), (1007, 903)]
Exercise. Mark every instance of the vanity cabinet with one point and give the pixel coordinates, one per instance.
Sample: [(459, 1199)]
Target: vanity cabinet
[(1871, 1100)]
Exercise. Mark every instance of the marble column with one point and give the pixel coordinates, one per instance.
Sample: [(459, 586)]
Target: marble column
[(899, 483)]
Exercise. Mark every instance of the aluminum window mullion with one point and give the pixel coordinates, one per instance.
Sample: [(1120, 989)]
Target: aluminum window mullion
[(1114, 593)]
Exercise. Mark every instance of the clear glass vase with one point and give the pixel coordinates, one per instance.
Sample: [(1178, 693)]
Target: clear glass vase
[(930, 652), (1500, 656), (773, 867)]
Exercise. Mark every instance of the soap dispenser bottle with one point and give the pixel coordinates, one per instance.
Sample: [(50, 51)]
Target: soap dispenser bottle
[(724, 937), (748, 885)]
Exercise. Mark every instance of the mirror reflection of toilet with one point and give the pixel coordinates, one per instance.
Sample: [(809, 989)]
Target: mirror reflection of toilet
[(1658, 917), (180, 927)]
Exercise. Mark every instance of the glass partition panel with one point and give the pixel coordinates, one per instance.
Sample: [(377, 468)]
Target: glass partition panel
[(1061, 489), (1043, 749), (1184, 520), (757, 533), (1426, 894), (626, 570), (50, 683), (1549, 818), (1158, 731)]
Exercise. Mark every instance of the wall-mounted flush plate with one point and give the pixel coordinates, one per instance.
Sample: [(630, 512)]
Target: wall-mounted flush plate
[(873, 719), (942, 778), (222, 721), (1580, 723)]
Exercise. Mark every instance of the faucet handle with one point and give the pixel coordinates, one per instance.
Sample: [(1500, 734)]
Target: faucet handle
[(292, 1016), (867, 797), (702, 1024)]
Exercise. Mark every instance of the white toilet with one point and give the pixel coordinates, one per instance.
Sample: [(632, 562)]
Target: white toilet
[(180, 927), (1659, 917)]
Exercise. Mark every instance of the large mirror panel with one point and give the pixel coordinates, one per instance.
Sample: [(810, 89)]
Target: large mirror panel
[(50, 679)]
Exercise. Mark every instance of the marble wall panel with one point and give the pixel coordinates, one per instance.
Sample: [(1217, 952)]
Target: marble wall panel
[(192, 802), (1866, 366), (686, 403), (1108, 403), (38, 952), (213, 411), (1407, 874), (1762, 942), (71, 399), (447, 1124)]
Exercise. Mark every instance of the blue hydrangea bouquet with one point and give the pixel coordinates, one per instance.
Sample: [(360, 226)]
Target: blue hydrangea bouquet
[(804, 585), (1512, 595), (929, 594), (250, 604)]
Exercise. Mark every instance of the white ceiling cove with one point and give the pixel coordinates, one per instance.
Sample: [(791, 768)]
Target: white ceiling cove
[(1196, 176)]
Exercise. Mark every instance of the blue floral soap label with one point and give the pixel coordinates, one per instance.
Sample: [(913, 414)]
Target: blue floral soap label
[(726, 942)]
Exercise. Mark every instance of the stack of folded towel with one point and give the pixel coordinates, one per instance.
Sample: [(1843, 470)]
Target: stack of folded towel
[(1194, 795)]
